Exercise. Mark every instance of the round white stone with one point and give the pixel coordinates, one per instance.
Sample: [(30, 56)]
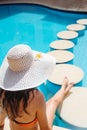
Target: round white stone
[(74, 108), (82, 21), (75, 27), (67, 34), (62, 44), (72, 72), (61, 56)]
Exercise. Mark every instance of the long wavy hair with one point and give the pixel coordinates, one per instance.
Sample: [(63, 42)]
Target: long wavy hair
[(10, 101)]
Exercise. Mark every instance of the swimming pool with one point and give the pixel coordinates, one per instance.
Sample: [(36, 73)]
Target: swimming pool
[(37, 26)]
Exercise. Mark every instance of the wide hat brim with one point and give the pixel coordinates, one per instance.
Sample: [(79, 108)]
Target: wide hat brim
[(27, 79)]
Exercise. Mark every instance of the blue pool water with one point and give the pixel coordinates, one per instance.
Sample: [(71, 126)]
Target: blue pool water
[(37, 26)]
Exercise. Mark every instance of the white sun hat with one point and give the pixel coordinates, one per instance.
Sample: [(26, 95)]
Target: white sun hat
[(24, 68)]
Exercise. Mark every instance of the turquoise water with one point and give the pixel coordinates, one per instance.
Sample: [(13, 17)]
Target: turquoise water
[(37, 26)]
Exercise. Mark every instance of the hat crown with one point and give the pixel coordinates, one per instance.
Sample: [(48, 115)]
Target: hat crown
[(20, 58)]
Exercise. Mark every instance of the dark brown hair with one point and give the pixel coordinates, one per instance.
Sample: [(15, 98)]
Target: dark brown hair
[(11, 101)]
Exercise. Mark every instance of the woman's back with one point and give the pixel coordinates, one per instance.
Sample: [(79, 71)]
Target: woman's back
[(28, 121)]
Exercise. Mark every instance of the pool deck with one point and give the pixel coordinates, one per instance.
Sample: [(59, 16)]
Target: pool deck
[(69, 5)]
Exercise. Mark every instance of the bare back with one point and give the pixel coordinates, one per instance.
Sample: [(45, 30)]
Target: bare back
[(36, 109)]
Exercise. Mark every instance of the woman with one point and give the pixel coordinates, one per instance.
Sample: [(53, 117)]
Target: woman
[(21, 72)]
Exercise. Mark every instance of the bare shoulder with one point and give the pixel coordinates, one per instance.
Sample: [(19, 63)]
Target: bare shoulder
[(39, 97), (36, 100)]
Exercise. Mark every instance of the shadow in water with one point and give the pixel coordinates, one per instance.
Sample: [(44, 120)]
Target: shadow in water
[(79, 84), (12, 9), (74, 40), (81, 33), (53, 88), (62, 123), (69, 49)]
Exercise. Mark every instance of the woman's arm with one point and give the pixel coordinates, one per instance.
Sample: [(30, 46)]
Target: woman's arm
[(41, 113)]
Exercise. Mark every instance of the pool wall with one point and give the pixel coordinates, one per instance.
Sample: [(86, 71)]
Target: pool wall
[(69, 5)]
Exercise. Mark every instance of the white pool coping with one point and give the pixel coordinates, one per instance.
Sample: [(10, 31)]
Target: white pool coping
[(69, 5)]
